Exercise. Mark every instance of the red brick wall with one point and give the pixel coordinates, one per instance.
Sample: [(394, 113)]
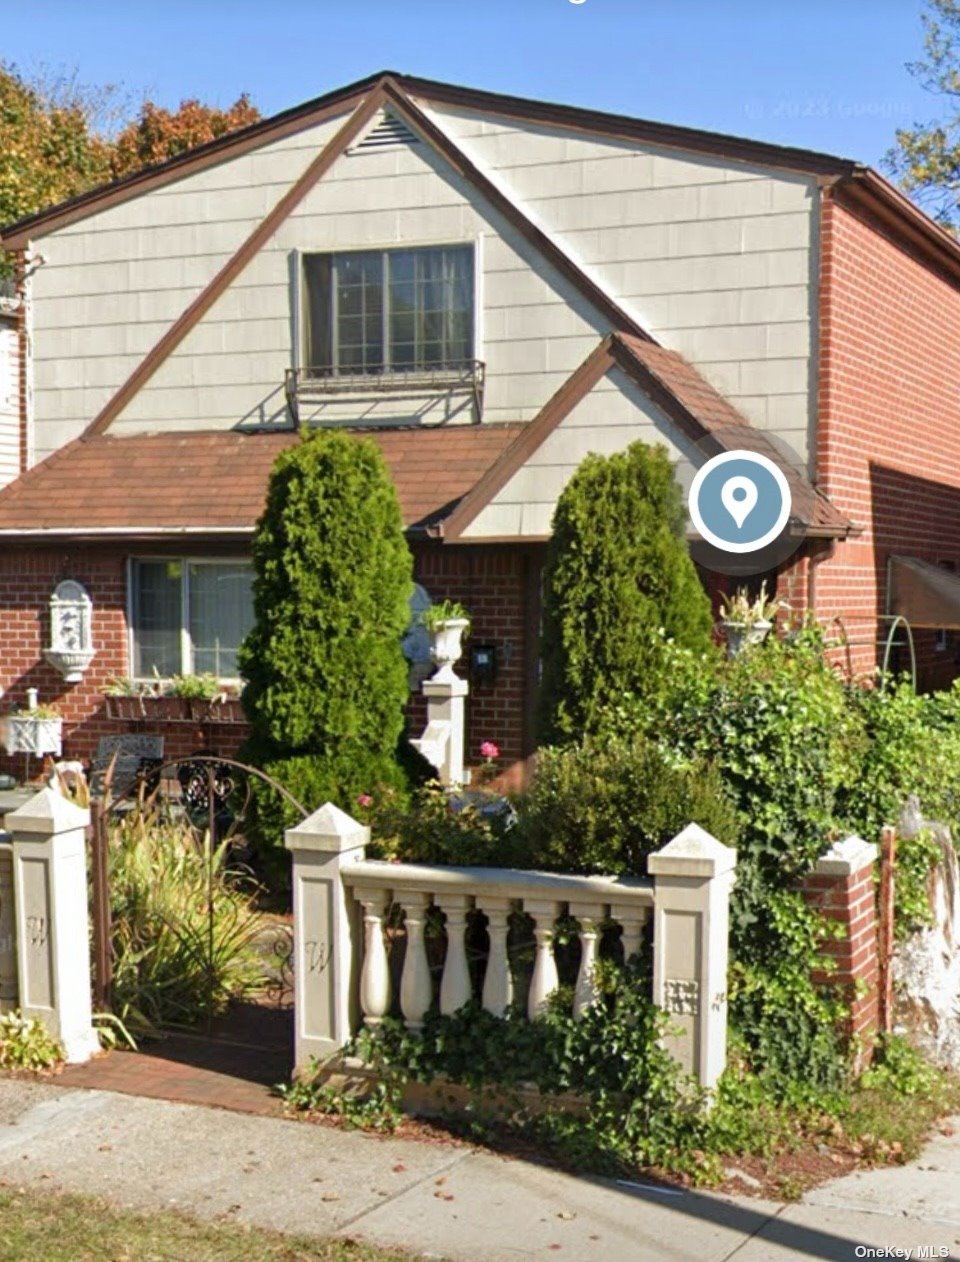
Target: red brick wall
[(27, 578), (851, 902), (499, 586), (489, 581), (888, 449)]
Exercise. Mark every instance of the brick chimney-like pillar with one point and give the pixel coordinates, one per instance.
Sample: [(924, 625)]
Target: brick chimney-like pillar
[(841, 887)]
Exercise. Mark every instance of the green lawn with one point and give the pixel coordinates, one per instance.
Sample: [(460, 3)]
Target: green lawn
[(59, 1228)]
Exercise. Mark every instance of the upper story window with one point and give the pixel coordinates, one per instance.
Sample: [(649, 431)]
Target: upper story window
[(188, 616), (389, 311)]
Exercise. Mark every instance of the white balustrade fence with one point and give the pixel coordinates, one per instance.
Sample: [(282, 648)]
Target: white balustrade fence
[(345, 904)]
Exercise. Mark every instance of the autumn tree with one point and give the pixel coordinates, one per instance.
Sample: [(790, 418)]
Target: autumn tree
[(59, 138), (48, 150), (156, 134), (926, 158)]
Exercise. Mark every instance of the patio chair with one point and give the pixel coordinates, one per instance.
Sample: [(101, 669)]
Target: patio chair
[(135, 759)]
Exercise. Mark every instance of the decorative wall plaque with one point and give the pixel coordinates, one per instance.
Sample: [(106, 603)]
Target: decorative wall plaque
[(71, 631)]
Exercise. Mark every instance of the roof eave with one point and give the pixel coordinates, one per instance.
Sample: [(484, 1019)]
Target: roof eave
[(595, 122), (867, 188), (16, 235)]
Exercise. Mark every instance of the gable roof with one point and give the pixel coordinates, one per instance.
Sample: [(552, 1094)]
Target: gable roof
[(702, 413), (523, 109), (385, 92), (864, 184), (214, 482)]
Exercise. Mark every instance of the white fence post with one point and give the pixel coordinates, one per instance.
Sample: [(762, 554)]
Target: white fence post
[(442, 739), (326, 926), (694, 875), (52, 927), (8, 929)]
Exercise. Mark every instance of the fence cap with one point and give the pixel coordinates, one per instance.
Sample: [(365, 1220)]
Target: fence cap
[(693, 852), (328, 830), (844, 858), (47, 812)]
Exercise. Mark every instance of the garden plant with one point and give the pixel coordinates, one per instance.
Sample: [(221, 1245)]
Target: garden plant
[(326, 676)]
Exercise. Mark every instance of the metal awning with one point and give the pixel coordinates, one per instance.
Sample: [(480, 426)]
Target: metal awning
[(923, 593)]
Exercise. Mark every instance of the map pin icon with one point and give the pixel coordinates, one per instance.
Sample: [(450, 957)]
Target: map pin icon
[(739, 497)]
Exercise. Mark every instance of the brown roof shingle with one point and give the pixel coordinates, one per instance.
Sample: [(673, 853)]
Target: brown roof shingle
[(685, 396), (683, 388), (216, 480)]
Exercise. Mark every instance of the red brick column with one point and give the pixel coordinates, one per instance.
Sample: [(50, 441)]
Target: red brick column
[(841, 887)]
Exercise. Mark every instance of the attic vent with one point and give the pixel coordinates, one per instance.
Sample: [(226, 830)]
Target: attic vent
[(388, 133)]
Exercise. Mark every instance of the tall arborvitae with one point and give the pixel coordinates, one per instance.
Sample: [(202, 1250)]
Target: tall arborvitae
[(618, 573), (326, 676)]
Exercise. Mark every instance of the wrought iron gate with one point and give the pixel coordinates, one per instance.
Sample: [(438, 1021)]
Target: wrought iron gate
[(212, 793)]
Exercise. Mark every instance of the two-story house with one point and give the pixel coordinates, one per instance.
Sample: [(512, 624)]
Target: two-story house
[(491, 287)]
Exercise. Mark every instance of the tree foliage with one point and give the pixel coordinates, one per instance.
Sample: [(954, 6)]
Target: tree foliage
[(59, 138), (156, 134), (48, 151), (618, 580), (326, 676), (926, 158)]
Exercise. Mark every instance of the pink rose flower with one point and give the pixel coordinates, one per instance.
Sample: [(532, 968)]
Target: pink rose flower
[(489, 750), (365, 800)]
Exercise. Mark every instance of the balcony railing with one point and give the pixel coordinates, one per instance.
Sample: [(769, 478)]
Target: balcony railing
[(320, 383)]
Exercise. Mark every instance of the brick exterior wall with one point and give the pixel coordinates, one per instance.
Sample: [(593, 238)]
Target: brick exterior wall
[(500, 587), (850, 901), (888, 441), (27, 578), (491, 583)]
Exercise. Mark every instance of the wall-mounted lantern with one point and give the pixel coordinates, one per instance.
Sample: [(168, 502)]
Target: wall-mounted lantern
[(71, 631)]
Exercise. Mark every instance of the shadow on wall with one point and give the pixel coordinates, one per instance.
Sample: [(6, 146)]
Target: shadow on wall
[(916, 517)]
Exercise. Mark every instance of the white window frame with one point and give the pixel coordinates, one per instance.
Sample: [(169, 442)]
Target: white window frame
[(187, 664), (302, 351)]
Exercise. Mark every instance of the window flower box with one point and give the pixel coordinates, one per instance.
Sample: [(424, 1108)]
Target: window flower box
[(152, 709), (219, 710), (125, 707)]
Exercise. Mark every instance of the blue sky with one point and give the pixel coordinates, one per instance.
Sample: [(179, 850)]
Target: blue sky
[(823, 75)]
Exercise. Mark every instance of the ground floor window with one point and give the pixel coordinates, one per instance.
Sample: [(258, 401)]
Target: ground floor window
[(188, 616)]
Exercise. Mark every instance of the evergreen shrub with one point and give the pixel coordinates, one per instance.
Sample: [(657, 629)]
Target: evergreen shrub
[(605, 805), (326, 676), (618, 572)]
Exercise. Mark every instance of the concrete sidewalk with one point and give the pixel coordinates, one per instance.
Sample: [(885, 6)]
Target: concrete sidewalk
[(444, 1200)]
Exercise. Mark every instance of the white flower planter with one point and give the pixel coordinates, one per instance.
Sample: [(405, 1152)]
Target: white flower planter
[(26, 735), (740, 635), (446, 644)]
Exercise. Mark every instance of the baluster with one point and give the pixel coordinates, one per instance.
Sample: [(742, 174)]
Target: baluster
[(416, 988), (497, 981), (455, 989), (632, 921), (585, 992), (544, 980), (375, 974)]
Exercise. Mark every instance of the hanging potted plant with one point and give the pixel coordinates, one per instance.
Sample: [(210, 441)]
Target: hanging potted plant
[(448, 623), (747, 621)]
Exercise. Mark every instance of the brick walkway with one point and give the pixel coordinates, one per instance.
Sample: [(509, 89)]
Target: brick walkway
[(229, 1073)]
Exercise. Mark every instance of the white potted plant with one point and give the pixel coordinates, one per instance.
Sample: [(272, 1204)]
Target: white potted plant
[(745, 621), (448, 624), (38, 730)]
